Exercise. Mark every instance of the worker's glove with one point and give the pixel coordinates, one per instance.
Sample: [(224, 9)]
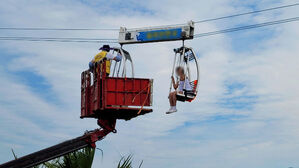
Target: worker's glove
[(118, 58)]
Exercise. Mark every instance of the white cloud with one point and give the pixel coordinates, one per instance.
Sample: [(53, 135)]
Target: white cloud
[(266, 135)]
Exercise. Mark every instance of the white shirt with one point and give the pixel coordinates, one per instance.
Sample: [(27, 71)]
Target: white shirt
[(185, 84), (110, 56)]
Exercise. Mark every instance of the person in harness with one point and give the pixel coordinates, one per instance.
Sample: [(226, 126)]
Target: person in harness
[(180, 86), (104, 54)]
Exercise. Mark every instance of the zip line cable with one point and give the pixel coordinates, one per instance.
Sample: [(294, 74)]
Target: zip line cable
[(57, 38), (241, 14), (90, 40), (69, 41), (58, 29), (247, 27), (247, 13), (93, 40), (116, 29)]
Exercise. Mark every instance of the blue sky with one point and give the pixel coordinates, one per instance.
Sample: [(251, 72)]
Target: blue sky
[(246, 114)]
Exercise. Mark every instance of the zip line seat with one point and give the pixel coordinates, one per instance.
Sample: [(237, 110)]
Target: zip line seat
[(184, 56), (188, 95)]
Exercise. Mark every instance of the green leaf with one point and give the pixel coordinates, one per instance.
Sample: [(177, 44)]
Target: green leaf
[(14, 155)]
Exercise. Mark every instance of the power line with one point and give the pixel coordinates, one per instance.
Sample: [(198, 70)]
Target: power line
[(246, 13), (246, 27)]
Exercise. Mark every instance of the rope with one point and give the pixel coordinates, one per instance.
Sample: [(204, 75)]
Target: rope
[(148, 91), (172, 73), (139, 93)]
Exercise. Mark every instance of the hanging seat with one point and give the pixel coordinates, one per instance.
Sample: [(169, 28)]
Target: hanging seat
[(188, 95), (183, 57)]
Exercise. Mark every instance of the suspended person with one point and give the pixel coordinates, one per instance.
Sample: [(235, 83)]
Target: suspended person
[(105, 53), (180, 86)]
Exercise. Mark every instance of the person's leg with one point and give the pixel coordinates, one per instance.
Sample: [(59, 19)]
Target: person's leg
[(91, 66), (170, 99), (174, 99), (173, 96)]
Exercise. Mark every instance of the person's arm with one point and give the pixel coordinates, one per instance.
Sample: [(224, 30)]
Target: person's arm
[(175, 85), (118, 57), (92, 60), (110, 56)]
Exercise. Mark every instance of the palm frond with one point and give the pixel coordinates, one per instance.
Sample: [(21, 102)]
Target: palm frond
[(14, 155), (125, 162)]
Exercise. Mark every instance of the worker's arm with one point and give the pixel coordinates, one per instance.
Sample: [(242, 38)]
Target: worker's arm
[(116, 58)]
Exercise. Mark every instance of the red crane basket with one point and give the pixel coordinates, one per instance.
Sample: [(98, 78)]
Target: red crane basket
[(113, 97)]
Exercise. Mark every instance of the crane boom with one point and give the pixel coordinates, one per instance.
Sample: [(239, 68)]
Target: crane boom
[(36, 158)]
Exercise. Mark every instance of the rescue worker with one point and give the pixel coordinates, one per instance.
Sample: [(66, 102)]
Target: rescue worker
[(104, 54)]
